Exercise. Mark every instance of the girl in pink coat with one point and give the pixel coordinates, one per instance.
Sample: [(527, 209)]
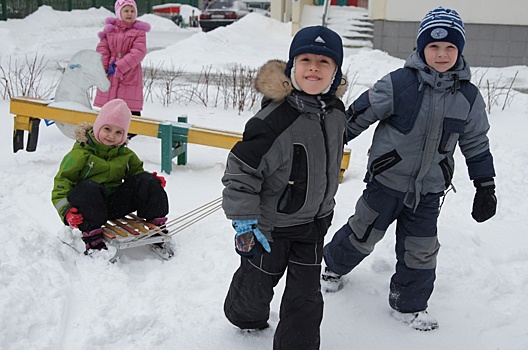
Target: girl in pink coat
[(123, 46)]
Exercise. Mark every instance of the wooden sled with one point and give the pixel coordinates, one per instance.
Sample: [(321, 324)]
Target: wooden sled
[(132, 231)]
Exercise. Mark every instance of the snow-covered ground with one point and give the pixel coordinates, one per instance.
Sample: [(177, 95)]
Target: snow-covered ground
[(53, 298)]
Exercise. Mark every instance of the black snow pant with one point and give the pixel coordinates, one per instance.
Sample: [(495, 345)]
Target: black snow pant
[(416, 243), (142, 193), (297, 250)]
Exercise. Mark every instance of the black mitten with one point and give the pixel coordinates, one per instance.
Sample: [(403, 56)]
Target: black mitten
[(485, 202)]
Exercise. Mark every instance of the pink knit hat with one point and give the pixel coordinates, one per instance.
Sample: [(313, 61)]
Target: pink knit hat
[(115, 113), (119, 4)]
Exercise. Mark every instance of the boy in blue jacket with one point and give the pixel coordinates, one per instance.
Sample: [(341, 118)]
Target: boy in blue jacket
[(423, 111)]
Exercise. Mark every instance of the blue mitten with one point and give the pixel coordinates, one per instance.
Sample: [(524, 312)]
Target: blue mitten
[(246, 233), (112, 69)]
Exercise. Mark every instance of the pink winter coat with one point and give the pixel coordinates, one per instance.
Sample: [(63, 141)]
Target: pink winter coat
[(126, 45)]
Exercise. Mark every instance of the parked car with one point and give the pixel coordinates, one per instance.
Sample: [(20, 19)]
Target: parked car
[(221, 13)]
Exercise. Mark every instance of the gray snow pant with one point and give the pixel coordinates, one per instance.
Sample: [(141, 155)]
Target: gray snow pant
[(297, 250), (416, 243)]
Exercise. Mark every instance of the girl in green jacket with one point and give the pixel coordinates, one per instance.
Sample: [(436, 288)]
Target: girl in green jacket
[(102, 179)]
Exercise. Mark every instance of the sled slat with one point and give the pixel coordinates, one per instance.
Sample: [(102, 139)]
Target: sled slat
[(116, 230), (125, 227), (136, 225), (150, 225), (108, 234)]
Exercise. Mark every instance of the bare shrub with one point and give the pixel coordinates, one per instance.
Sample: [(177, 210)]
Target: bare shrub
[(199, 91), (24, 77), (150, 75), (498, 92), (167, 83)]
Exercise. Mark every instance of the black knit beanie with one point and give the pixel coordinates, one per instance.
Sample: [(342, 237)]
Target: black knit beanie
[(318, 40)]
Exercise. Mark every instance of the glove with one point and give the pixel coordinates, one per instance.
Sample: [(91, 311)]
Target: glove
[(74, 218), (161, 179), (112, 69), (246, 233), (485, 202)]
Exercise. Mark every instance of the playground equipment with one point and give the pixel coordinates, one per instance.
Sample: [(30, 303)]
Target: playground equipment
[(71, 106), (84, 70), (174, 135)]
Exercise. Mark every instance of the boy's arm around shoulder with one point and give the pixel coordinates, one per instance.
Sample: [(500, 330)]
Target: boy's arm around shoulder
[(372, 105)]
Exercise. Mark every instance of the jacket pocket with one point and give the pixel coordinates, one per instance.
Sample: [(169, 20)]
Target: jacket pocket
[(294, 196), (383, 163), (446, 171), (452, 130)]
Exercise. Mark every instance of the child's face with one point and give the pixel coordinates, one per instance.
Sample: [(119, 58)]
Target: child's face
[(128, 14), (314, 73), (110, 135), (441, 55)]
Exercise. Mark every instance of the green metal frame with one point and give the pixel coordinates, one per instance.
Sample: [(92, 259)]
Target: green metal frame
[(173, 144)]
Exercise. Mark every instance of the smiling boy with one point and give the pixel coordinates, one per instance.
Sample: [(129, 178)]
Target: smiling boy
[(424, 110), (280, 182)]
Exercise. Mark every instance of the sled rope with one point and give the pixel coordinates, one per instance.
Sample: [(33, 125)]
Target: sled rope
[(193, 216), (184, 220)]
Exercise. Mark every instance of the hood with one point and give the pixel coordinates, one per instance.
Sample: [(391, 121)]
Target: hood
[(81, 132), (112, 22), (82, 135), (272, 82)]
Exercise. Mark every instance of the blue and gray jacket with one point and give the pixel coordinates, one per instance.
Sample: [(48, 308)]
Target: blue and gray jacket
[(422, 116)]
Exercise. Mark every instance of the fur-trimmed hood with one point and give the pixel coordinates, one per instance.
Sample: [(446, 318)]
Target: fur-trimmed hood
[(112, 22), (81, 133), (272, 82)]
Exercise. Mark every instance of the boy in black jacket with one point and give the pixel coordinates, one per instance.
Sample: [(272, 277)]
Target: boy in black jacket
[(280, 183)]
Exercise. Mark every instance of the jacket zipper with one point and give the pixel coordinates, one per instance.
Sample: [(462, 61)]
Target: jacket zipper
[(90, 167)]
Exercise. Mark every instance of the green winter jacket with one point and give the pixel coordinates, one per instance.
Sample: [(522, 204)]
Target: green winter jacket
[(91, 160)]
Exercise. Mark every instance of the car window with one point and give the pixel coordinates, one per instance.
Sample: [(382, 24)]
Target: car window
[(220, 5)]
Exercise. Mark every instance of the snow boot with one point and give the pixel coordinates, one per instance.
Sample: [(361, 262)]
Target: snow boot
[(255, 330), (93, 240), (420, 321), (330, 281), (160, 222), (161, 249)]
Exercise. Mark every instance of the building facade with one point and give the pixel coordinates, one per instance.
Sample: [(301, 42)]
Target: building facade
[(496, 31)]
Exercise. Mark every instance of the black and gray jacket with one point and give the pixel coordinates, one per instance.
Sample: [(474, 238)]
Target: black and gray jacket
[(422, 116), (285, 171)]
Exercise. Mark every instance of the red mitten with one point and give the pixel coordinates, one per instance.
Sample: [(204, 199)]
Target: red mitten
[(161, 179), (74, 218)]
